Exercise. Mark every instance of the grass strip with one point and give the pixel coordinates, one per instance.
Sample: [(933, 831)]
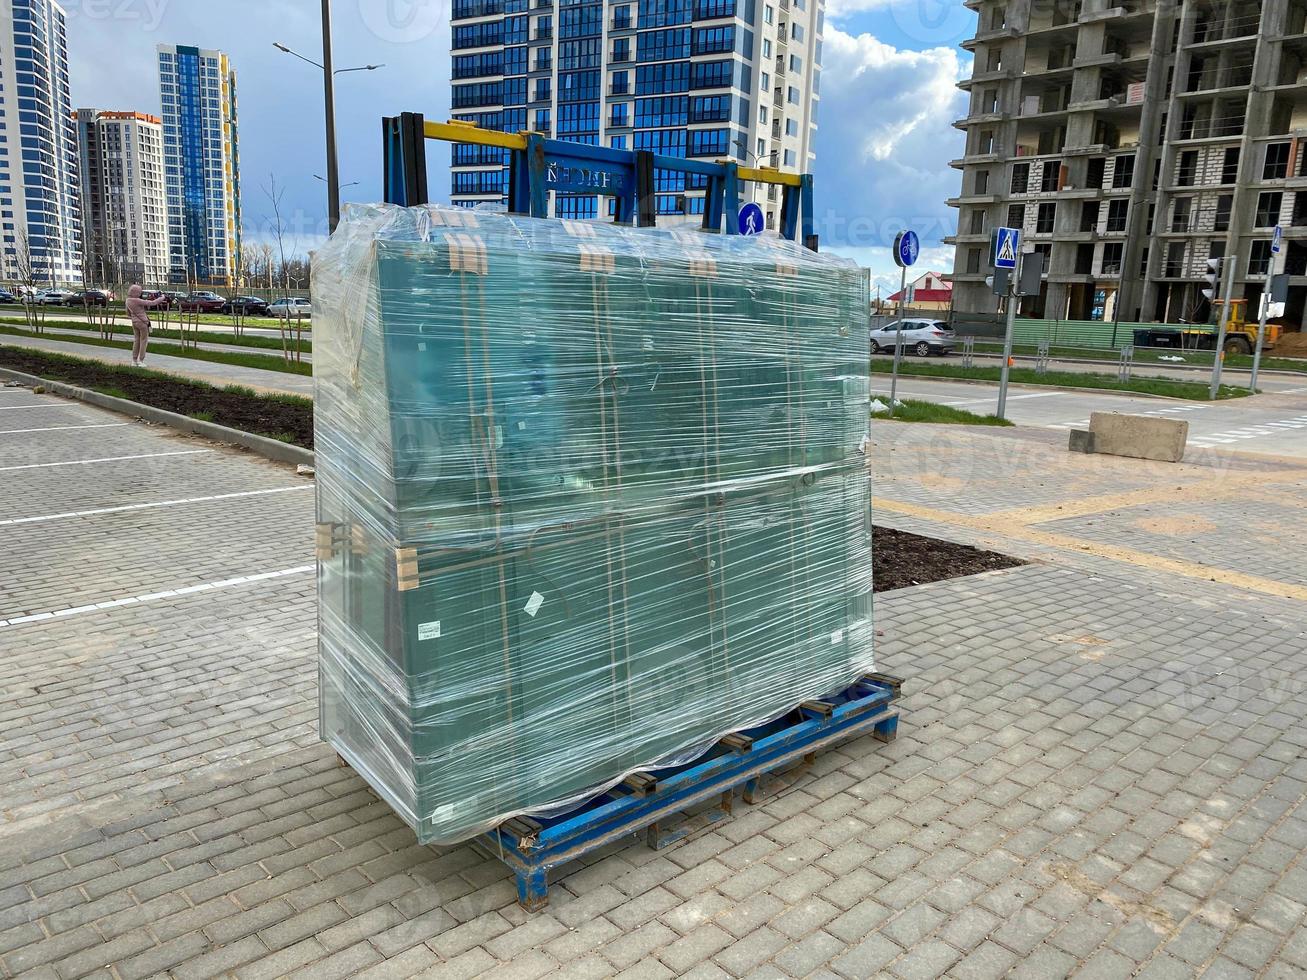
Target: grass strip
[(913, 410), (1151, 355), (168, 333), (264, 362), (288, 418), (1189, 390)]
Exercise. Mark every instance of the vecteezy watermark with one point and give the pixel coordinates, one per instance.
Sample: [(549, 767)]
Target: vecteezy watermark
[(1208, 691), (940, 23), (148, 13), (402, 21)]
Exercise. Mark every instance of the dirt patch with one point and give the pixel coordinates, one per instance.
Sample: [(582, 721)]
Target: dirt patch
[(900, 559), (1292, 345), (283, 417)]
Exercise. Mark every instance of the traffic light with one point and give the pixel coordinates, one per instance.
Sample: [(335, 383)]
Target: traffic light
[(1213, 278)]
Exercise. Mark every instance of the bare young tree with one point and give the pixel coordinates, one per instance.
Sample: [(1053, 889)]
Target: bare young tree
[(29, 274), (275, 196)]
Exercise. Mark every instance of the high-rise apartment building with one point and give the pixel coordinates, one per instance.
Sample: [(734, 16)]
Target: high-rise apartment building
[(197, 88), (124, 207), (708, 79), (1133, 140), (40, 226)]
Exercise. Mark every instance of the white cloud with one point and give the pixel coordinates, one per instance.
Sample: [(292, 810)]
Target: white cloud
[(884, 142)]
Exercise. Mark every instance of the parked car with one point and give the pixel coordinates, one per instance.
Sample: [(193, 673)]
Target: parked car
[(7, 297), (168, 298), (91, 297), (922, 337), (289, 307), (202, 301), (54, 297), (246, 305)]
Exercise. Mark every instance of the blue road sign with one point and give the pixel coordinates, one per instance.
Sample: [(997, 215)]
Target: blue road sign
[(1277, 240), (1007, 246), (751, 220), (906, 249)]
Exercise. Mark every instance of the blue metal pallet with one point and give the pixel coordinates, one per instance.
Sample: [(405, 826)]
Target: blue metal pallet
[(532, 846)]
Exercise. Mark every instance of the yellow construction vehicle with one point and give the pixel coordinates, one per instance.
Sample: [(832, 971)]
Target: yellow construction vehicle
[(1240, 334)]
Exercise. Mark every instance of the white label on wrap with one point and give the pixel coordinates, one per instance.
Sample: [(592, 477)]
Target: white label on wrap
[(429, 631), (533, 604), (837, 637), (422, 345)]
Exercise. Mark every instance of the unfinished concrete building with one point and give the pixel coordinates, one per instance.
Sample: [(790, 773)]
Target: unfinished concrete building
[(1132, 140)]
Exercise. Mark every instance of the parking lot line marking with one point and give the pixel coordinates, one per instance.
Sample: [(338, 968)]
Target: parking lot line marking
[(151, 505), (136, 600), (28, 408), (56, 428), (103, 459)]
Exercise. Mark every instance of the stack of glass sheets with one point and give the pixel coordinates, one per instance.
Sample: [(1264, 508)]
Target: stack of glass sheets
[(590, 497)]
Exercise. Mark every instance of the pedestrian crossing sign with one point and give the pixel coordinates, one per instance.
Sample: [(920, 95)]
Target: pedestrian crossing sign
[(1007, 243)]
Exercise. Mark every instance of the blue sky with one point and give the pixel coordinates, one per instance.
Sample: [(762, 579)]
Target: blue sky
[(884, 136)]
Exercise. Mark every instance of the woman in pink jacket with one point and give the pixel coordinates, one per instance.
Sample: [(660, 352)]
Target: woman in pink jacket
[(136, 310)]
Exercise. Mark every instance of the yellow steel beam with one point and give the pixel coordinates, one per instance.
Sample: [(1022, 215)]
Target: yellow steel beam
[(466, 132), (769, 175)]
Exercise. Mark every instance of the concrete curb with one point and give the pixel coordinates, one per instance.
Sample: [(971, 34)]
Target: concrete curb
[(273, 449), (1196, 368)]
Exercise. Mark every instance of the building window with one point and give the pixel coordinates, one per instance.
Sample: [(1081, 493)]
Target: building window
[(1277, 162), (1046, 218), (973, 260), (1116, 215), (1052, 176), (1188, 171), (1123, 175), (1097, 172), (1089, 212), (1084, 259), (1259, 261), (1174, 261), (1016, 215), (978, 222), (1112, 253), (1224, 206), (1269, 204), (1230, 168), (1181, 215), (1021, 178), (982, 181)]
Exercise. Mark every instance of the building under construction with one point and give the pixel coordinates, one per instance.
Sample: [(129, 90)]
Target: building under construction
[(1132, 140)]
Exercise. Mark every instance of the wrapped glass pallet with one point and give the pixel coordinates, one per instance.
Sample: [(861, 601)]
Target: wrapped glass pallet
[(590, 497)]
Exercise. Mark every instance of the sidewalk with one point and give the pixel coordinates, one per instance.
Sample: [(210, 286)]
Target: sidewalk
[(1100, 767), (213, 373)]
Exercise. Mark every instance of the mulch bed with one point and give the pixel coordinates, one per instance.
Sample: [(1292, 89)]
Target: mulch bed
[(277, 416), (900, 559)]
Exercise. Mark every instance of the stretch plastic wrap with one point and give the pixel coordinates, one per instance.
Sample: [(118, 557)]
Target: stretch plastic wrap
[(590, 498)]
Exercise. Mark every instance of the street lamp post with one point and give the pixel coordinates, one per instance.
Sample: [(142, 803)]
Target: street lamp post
[(329, 103)]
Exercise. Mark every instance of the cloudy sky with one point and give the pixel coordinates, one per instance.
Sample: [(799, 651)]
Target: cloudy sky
[(884, 135)]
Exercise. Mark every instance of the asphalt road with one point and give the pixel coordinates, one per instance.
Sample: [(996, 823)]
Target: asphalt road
[(1274, 422)]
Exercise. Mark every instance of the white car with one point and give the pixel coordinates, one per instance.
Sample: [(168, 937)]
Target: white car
[(922, 337), (291, 307), (54, 297)]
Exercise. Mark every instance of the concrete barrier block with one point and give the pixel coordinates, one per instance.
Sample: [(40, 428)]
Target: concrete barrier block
[(1139, 436), (1082, 441)]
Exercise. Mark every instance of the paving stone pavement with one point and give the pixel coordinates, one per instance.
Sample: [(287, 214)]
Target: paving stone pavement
[(1100, 770)]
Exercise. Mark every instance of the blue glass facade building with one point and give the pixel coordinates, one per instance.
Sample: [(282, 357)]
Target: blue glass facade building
[(40, 220), (684, 78), (197, 89)]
